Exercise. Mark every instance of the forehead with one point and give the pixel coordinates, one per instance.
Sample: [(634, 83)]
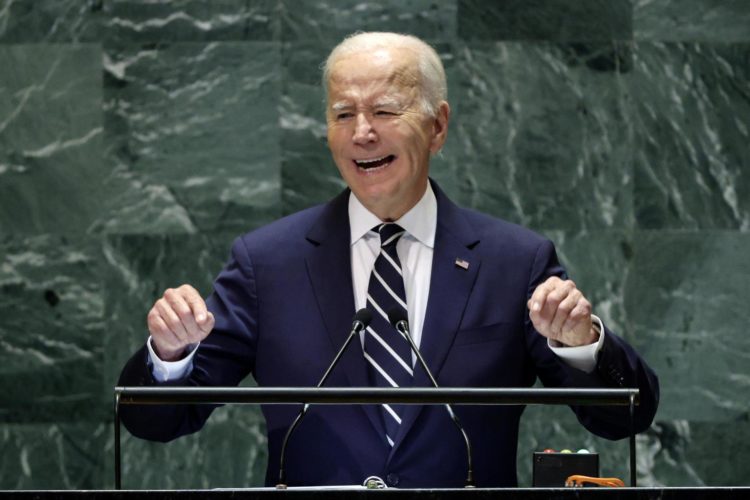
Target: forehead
[(383, 70)]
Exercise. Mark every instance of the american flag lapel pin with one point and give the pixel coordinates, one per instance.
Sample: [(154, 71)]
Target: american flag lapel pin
[(462, 264)]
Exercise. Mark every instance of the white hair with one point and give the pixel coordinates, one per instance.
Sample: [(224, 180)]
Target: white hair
[(431, 72)]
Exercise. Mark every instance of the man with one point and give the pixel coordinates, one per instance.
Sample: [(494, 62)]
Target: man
[(487, 302)]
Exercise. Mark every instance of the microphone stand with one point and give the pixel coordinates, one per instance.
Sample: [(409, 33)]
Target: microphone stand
[(403, 327), (359, 325)]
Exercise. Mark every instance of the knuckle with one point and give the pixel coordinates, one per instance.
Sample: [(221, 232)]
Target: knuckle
[(167, 310), (162, 331), (157, 328), (197, 335), (160, 306), (172, 322), (152, 320), (565, 308), (182, 311)]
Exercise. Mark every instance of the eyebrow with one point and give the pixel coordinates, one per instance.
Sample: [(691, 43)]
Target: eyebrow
[(340, 105), (387, 101), (383, 101)]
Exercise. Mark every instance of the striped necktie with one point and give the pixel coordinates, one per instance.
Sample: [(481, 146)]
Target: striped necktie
[(387, 351)]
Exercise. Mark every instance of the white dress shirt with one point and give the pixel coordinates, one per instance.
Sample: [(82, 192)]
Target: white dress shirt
[(415, 249)]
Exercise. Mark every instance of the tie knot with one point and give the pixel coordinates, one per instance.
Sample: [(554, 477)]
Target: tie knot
[(389, 234)]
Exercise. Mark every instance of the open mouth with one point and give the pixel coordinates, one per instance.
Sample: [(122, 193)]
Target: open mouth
[(374, 162)]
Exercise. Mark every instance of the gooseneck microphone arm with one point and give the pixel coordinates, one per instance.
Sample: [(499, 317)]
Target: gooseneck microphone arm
[(398, 319), (361, 319)]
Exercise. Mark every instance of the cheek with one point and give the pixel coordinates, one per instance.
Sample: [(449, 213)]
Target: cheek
[(416, 131), (335, 142)]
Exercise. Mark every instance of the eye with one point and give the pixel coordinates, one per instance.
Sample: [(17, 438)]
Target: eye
[(383, 112), (343, 115)]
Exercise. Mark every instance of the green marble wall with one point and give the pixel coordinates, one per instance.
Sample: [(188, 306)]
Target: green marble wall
[(137, 138)]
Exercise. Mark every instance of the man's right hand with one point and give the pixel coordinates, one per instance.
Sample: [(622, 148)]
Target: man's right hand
[(178, 319)]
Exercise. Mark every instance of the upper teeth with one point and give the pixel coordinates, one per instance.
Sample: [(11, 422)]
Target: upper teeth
[(372, 160)]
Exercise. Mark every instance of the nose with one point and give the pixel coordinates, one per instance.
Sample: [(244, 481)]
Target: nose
[(363, 131)]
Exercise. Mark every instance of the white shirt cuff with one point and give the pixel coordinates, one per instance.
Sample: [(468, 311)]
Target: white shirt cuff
[(164, 371), (581, 357)]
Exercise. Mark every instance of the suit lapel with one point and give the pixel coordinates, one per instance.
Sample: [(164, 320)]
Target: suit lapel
[(329, 271), (454, 270)]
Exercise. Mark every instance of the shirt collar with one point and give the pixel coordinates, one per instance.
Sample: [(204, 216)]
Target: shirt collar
[(420, 222)]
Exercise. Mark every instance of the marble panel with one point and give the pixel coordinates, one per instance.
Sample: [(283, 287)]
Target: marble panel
[(686, 453), (191, 20), (542, 134), (139, 269), (51, 21), (308, 173), (599, 262), (192, 137), (51, 330), (556, 20), (332, 21), (686, 304), (692, 20), (50, 139), (59, 456), (691, 115), (673, 453), (229, 452)]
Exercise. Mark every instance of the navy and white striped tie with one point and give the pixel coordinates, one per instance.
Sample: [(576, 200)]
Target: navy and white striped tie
[(387, 351)]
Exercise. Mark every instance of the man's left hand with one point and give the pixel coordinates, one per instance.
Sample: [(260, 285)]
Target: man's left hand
[(560, 312)]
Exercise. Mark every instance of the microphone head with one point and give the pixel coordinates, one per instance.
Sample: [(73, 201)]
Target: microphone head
[(396, 315), (364, 316)]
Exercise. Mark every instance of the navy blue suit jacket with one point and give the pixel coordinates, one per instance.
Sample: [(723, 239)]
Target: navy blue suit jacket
[(284, 305)]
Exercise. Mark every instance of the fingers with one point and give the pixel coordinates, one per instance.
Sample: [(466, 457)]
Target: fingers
[(581, 313), (560, 312), (545, 300), (197, 312), (178, 319), (167, 344)]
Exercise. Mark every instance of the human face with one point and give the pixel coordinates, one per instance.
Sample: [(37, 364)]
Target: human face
[(379, 136)]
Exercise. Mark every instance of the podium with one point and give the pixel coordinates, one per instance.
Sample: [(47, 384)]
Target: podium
[(369, 395)]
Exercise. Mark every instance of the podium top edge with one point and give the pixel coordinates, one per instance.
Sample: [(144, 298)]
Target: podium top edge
[(371, 395)]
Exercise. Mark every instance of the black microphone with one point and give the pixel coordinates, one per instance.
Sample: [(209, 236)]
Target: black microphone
[(397, 317), (360, 321)]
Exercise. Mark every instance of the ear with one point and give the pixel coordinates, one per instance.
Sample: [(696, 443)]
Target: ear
[(440, 127)]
